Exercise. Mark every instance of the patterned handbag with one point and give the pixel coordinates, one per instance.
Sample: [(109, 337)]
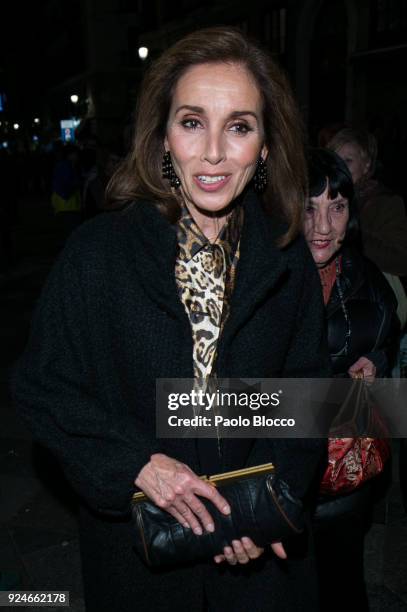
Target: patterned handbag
[(354, 460)]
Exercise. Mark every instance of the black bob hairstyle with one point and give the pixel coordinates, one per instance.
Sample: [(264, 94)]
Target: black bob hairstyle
[(326, 168)]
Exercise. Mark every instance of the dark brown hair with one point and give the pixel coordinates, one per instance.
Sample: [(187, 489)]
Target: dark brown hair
[(139, 176)]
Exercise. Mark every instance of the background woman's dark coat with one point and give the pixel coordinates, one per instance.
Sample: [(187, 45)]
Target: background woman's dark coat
[(371, 307), (108, 324), (342, 520)]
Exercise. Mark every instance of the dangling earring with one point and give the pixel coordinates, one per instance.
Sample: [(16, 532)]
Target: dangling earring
[(260, 176), (168, 171)]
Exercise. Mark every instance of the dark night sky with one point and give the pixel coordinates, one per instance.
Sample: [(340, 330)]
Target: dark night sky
[(34, 40)]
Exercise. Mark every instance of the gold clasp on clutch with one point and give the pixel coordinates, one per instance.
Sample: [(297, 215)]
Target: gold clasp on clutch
[(221, 479)]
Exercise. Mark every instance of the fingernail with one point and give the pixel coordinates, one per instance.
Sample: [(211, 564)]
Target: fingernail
[(210, 527), (197, 530), (226, 509)]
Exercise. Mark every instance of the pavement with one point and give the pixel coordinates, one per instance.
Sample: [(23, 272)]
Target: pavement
[(38, 531)]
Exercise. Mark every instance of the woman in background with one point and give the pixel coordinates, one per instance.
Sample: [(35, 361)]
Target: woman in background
[(360, 315), (383, 220)]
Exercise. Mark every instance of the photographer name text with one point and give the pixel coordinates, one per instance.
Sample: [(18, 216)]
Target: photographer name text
[(255, 420)]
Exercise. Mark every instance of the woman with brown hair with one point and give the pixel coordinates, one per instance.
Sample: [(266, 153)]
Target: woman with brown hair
[(200, 273)]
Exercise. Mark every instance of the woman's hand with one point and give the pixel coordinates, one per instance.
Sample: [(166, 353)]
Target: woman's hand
[(245, 550), (365, 367), (173, 486)]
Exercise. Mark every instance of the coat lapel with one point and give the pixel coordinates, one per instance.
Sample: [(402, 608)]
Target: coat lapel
[(261, 267), (153, 243)]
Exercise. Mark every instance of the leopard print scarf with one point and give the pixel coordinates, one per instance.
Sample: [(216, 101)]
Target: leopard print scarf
[(205, 276)]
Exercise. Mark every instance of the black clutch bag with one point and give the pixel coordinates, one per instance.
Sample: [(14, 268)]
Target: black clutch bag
[(262, 508)]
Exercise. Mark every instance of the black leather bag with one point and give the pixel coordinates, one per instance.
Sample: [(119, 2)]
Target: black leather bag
[(263, 509)]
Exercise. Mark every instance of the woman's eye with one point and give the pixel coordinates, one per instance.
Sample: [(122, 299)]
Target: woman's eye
[(339, 207), (190, 124), (241, 128), (309, 209)]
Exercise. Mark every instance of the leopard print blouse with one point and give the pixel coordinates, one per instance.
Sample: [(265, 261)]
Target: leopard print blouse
[(205, 274)]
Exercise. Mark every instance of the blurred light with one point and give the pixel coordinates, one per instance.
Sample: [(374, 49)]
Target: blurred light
[(36, 120), (74, 99), (16, 126), (143, 53), (4, 144), (35, 138)]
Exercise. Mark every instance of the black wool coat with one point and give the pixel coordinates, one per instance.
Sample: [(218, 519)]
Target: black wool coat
[(108, 324)]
